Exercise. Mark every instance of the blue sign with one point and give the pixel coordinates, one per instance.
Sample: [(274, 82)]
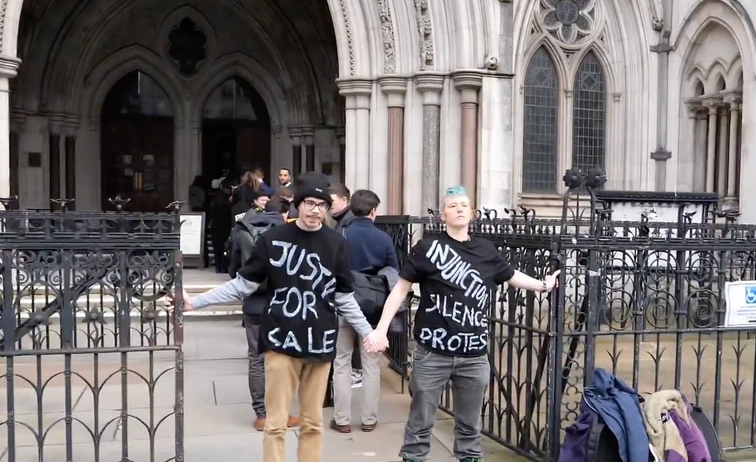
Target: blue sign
[(750, 295)]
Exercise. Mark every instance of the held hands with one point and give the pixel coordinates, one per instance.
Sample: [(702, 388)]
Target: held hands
[(376, 341), (550, 281)]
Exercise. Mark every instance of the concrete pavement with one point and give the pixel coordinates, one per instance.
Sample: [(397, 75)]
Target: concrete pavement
[(218, 415)]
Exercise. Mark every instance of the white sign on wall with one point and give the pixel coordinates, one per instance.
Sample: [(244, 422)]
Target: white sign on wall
[(740, 297), (192, 233)]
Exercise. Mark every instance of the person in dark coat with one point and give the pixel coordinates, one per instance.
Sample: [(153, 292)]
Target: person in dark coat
[(220, 226)]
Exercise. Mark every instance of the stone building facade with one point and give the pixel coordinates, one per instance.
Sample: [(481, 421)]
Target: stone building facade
[(405, 97)]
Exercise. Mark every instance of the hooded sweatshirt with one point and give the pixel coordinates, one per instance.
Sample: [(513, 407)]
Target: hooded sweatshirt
[(255, 303)]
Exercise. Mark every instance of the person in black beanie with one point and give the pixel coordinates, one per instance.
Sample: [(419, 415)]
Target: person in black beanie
[(306, 266)]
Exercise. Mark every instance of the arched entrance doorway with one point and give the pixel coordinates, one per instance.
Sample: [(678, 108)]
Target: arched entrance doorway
[(235, 130), (136, 141)]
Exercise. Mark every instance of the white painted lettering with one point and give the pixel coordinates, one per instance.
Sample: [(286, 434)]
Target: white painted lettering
[(310, 285)]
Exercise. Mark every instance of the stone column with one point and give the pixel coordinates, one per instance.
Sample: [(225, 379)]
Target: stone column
[(341, 135), (17, 126), (8, 67), (724, 119), (700, 153), (712, 105), (469, 84), (70, 150), (431, 86), (733, 102), (695, 161), (53, 139), (296, 151), (308, 138), (358, 94), (395, 89)]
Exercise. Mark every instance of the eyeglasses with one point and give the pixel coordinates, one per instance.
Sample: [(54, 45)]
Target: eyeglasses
[(312, 205)]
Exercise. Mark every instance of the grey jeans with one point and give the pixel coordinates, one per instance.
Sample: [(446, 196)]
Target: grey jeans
[(430, 374), (256, 366)]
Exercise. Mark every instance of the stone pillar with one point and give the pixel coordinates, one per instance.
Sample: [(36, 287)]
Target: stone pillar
[(296, 151), (469, 85), (358, 94), (395, 89), (724, 120), (711, 149), (732, 167), (53, 139), (700, 153), (17, 126), (308, 137), (431, 86), (70, 150), (697, 160), (8, 67), (341, 135)]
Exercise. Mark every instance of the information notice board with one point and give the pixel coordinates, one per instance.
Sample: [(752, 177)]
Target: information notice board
[(740, 297), (193, 238)]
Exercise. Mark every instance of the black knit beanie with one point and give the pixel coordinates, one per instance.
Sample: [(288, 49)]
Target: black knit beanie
[(311, 184)]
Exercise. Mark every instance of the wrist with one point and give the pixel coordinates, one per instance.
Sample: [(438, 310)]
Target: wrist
[(544, 286)]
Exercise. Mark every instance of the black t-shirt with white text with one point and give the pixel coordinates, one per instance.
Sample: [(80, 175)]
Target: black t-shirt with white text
[(304, 270), (457, 282)]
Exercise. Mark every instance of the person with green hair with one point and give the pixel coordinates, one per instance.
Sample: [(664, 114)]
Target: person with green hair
[(458, 275)]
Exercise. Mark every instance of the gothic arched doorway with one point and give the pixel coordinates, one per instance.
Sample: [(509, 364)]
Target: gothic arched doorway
[(235, 130), (137, 144)]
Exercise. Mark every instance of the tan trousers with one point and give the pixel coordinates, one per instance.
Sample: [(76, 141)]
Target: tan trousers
[(283, 375), (342, 380)]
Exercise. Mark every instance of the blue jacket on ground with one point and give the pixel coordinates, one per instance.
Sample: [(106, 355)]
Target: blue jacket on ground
[(619, 407), (369, 247)]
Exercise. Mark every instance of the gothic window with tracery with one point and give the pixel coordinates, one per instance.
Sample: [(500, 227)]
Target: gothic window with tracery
[(589, 115), (541, 118), (542, 125)]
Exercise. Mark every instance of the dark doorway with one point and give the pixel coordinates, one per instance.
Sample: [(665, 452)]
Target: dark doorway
[(235, 130), (137, 144)]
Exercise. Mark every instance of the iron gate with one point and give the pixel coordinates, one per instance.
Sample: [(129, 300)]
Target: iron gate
[(93, 361), (643, 300)]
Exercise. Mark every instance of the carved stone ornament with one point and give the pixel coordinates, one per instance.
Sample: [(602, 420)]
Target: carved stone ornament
[(349, 34), (387, 30), (569, 21), (425, 29), (3, 7), (187, 46)]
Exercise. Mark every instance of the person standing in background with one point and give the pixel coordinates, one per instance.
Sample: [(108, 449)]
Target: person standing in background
[(340, 217), (371, 252), (284, 178), (221, 222)]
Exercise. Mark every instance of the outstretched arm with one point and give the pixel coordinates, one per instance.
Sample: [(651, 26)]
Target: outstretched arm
[(525, 282), (394, 301), (235, 289)]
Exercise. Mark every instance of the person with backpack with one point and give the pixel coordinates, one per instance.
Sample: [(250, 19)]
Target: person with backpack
[(459, 276), (248, 231), (370, 251)]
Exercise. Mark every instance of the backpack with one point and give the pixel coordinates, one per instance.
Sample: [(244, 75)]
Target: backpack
[(589, 439), (245, 238), (709, 432), (371, 292)]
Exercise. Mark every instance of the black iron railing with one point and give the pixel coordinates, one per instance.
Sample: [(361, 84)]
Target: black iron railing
[(642, 300), (85, 331)]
